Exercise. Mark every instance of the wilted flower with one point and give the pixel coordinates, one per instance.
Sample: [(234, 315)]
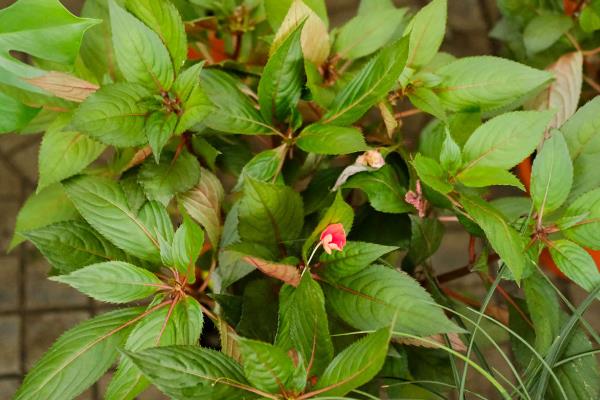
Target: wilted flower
[(371, 158), (416, 199), (333, 238)]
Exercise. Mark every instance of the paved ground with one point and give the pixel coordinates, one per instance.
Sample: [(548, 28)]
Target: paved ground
[(35, 311)]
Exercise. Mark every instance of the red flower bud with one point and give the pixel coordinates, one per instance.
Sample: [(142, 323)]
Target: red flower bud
[(333, 238)]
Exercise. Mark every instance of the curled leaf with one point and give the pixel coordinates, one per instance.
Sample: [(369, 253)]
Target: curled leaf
[(286, 273), (64, 86)]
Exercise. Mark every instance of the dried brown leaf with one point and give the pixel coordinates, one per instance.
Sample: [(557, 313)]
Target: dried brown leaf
[(64, 86), (286, 273)]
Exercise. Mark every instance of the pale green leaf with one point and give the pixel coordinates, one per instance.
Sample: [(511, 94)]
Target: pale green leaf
[(487, 83), (368, 32), (78, 358), (584, 231), (582, 134), (506, 140), (115, 114), (576, 263), (163, 18), (56, 38), (102, 204), (56, 205), (15, 115), (488, 176), (112, 281), (552, 174), (544, 30), (64, 153), (432, 174), (427, 30), (139, 52), (331, 139), (277, 10), (377, 295), (186, 248)]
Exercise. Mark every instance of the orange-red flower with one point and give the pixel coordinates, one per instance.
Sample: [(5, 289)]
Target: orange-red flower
[(333, 238)]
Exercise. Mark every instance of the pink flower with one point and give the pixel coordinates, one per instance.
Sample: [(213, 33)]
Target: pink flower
[(333, 238)]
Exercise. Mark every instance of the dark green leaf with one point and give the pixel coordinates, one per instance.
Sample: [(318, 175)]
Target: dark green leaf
[(584, 231), (376, 296), (384, 189), (303, 324), (426, 237), (356, 365), (266, 367), (191, 372)]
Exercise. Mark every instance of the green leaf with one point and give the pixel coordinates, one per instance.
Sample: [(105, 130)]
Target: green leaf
[(425, 239), (355, 257), (115, 114), (172, 176), (266, 366), (488, 176), (153, 214), (450, 154), (195, 109), (187, 245), (303, 324), (56, 205), (427, 31), (544, 30), (263, 167), (233, 111), (507, 242), (431, 173), (102, 204), (270, 214), (56, 38), (582, 134), (15, 114), (552, 174), (338, 212), (506, 140), (159, 127), (542, 305), (191, 372), (282, 80), (426, 100), (277, 10), (384, 189), (141, 56), (369, 86), (64, 153), (576, 263), (487, 83), (164, 19), (182, 328), (70, 245), (585, 230), (330, 139), (78, 358), (355, 365), (376, 296), (112, 281), (366, 33), (203, 204)]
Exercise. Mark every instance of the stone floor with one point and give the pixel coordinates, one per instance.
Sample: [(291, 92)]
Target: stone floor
[(35, 311)]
